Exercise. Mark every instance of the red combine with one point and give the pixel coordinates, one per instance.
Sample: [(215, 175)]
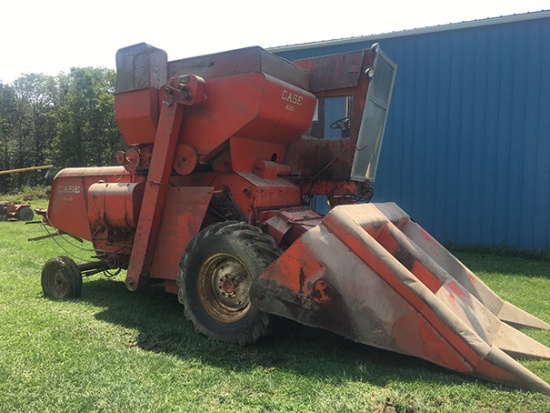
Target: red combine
[(213, 199)]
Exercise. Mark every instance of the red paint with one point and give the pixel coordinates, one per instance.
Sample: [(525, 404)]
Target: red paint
[(434, 245), (426, 277), (457, 290), (69, 197), (415, 336), (384, 238), (377, 265), (154, 195), (473, 279)]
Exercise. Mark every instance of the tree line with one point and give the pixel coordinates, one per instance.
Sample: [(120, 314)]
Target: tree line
[(64, 120)]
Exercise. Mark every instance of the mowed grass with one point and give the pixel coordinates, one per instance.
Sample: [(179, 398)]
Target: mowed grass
[(117, 351)]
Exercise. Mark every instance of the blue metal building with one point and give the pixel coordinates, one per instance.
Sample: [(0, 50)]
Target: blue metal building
[(467, 145)]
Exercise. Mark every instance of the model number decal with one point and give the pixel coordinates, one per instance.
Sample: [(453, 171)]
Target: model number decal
[(293, 98), (68, 189)]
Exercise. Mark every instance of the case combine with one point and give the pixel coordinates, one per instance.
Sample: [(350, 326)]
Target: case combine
[(212, 198)]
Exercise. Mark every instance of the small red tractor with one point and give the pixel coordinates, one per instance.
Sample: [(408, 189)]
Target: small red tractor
[(213, 200), (12, 211)]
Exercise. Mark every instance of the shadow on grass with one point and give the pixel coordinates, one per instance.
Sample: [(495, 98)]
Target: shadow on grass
[(158, 317)]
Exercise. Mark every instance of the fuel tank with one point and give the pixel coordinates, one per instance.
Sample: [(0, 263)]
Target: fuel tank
[(115, 205)]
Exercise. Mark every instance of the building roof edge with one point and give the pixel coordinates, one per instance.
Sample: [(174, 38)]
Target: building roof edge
[(413, 32)]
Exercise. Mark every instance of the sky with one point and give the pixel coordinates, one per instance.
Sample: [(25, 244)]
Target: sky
[(50, 37)]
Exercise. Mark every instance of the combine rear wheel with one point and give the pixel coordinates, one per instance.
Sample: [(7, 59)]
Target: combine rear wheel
[(61, 278), (216, 273)]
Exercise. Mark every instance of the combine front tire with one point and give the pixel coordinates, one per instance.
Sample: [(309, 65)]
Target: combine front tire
[(61, 279), (216, 273)]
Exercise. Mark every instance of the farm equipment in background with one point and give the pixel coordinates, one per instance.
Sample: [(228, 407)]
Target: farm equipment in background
[(11, 211), (14, 211), (29, 168), (212, 200)]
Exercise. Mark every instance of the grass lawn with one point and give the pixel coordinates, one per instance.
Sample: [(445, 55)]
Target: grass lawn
[(117, 351)]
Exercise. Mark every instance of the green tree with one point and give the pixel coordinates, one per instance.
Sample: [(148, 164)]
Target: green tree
[(66, 120), (87, 131), (8, 115), (37, 95)]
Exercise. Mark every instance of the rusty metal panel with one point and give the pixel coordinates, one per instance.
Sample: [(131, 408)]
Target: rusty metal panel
[(154, 196), (252, 105), (271, 193), (114, 205), (140, 66), (334, 71), (182, 219), (141, 72), (238, 62), (442, 257), (67, 207)]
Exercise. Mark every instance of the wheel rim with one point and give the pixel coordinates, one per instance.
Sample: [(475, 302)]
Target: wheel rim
[(58, 283), (27, 215), (224, 284)]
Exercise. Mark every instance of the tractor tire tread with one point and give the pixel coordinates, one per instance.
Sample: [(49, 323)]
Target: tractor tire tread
[(248, 238)]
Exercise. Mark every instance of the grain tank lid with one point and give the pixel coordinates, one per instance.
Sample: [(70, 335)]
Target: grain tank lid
[(241, 61), (140, 66)]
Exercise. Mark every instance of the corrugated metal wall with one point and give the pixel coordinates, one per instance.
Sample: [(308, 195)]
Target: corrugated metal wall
[(467, 145)]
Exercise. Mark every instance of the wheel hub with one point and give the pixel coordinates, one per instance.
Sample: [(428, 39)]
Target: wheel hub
[(228, 287), (59, 283), (225, 287), (231, 283)]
